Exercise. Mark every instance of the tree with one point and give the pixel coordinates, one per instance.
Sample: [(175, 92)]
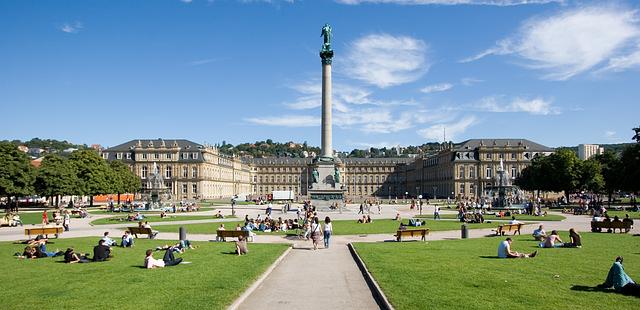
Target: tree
[(563, 171), (56, 176), (636, 136), (631, 164), (123, 180), (611, 172), (590, 176), (16, 172), (94, 174)]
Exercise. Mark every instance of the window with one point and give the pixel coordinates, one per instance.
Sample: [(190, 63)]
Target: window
[(488, 156), (184, 188), (156, 156), (185, 156), (128, 155), (290, 179), (105, 155), (194, 155), (144, 155), (194, 172), (119, 155), (145, 171), (471, 188), (185, 172), (169, 156), (461, 173), (255, 179), (168, 172), (514, 172), (489, 173), (365, 179), (194, 188), (472, 172), (501, 156), (462, 188), (513, 156)]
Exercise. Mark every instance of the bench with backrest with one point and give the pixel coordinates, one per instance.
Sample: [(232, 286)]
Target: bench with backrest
[(57, 230), (598, 226), (222, 234), (141, 230), (422, 233), (502, 229)]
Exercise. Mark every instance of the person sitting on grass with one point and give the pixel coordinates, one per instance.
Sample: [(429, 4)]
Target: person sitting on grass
[(241, 246), (150, 262), (552, 241), (101, 252), (620, 281), (576, 239), (127, 240), (504, 251), (539, 234), (219, 215), (70, 257), (362, 220), (369, 220), (163, 215), (108, 241), (397, 218)]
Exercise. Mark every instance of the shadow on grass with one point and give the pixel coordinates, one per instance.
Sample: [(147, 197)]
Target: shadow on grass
[(584, 288), (489, 257)]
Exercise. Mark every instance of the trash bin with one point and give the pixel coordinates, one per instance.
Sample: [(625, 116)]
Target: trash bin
[(465, 231), (183, 233)]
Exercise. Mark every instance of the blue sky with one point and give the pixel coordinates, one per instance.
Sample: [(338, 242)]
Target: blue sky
[(556, 72)]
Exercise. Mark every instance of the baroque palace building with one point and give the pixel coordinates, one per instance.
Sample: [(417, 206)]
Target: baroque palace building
[(194, 171)]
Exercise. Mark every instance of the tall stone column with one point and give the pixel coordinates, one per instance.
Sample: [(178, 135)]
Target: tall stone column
[(327, 148)]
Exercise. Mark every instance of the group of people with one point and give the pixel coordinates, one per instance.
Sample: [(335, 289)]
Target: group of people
[(366, 219)]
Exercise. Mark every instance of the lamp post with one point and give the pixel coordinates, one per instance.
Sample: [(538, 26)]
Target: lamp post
[(434, 192)]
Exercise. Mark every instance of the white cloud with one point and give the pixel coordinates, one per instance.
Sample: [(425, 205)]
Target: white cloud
[(536, 106), (452, 129), (436, 88), (377, 145), (384, 60), (186, 1), (468, 81), (286, 120), (624, 62), (609, 134), (71, 27), (573, 41), (202, 61), (452, 2)]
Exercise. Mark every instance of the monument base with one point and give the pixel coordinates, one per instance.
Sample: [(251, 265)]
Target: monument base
[(327, 191)]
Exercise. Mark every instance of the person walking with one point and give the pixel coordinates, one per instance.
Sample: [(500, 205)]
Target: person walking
[(436, 213), (361, 209), (66, 220), (316, 229), (328, 230)]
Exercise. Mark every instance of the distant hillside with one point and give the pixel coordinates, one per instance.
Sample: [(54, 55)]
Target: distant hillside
[(616, 148), (49, 145)]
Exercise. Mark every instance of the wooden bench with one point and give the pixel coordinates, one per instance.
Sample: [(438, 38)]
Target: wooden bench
[(57, 230), (598, 226), (422, 233), (221, 234), (502, 229), (141, 230)]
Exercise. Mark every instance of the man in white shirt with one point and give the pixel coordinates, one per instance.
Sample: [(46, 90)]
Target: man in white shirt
[(539, 234), (150, 262), (514, 221), (504, 251), (108, 241)]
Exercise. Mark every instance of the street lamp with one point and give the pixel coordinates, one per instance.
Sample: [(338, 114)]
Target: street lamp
[(434, 192)]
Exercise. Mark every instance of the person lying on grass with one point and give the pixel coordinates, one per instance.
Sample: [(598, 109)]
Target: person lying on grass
[(619, 280), (70, 257), (179, 247), (32, 252), (552, 241), (150, 262), (169, 259), (504, 251)]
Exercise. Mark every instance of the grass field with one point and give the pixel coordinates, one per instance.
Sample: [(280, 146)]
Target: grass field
[(633, 215), (151, 219), (464, 274), (213, 279), (519, 217), (340, 227)]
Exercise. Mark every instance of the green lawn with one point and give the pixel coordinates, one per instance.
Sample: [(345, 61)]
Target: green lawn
[(519, 217), (340, 227), (151, 219), (213, 280), (464, 274), (633, 215)]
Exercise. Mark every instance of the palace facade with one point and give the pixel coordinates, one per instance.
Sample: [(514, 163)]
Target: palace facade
[(194, 171)]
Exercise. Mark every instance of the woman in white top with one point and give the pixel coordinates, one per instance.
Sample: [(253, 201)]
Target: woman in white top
[(316, 229), (150, 262), (328, 230)]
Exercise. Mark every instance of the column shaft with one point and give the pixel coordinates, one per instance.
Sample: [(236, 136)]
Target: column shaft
[(327, 148)]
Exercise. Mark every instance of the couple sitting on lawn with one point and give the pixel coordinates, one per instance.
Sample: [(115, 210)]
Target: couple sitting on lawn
[(553, 240), (365, 219)]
